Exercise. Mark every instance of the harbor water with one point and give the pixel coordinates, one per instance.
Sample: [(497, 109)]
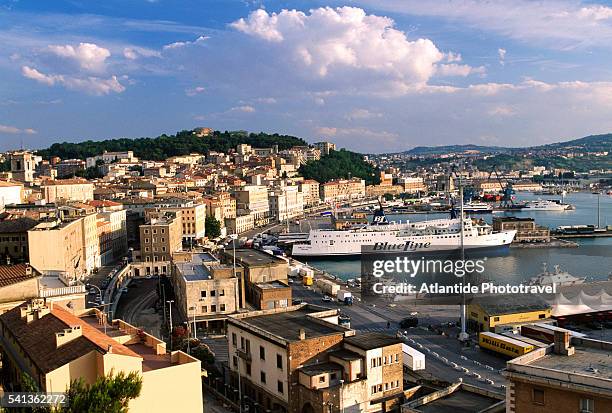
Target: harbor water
[(592, 259)]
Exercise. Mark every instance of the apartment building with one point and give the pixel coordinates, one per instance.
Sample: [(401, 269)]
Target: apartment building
[(342, 190), (116, 216), (109, 157), (57, 247), (53, 347), (572, 374), (412, 185), (206, 291), (298, 359), (240, 224), (161, 236), (260, 271), (253, 200), (221, 206), (10, 193), (14, 238), (65, 190), (325, 147), (193, 219), (285, 203), (21, 282), (310, 192)]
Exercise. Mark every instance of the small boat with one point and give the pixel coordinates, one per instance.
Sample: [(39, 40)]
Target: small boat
[(558, 277)]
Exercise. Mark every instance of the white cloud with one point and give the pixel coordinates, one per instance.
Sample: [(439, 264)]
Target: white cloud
[(195, 91), (502, 56), (179, 45), (454, 69), (502, 110), (88, 55), (12, 130), (135, 52), (557, 24), (267, 101), (243, 108), (330, 42), (90, 84), (360, 114)]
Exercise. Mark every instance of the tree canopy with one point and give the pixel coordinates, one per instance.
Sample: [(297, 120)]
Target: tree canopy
[(340, 164), (212, 227), (165, 146)]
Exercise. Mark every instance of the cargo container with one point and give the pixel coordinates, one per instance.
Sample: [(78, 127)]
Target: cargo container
[(412, 359), (528, 340), (504, 345), (327, 287)]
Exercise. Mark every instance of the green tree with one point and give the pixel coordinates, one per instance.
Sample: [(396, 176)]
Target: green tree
[(341, 164), (108, 394), (213, 227)]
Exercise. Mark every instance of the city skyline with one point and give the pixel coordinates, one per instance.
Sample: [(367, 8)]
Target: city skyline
[(372, 76)]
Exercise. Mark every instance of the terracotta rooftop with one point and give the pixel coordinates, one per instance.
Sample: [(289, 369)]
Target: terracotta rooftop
[(13, 274), (37, 338), (105, 203)]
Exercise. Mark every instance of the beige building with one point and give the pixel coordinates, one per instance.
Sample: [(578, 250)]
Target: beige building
[(11, 193), (54, 347), (342, 190), (161, 236), (298, 359), (65, 190), (286, 202), (240, 224), (57, 248), (14, 238), (253, 200), (412, 185), (193, 219), (325, 147), (310, 192), (571, 375), (205, 290)]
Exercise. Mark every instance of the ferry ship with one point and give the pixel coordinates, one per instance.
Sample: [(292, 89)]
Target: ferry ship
[(420, 237), (546, 205), (476, 207)]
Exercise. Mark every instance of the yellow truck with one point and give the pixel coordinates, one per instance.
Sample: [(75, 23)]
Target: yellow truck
[(504, 345), (307, 279)]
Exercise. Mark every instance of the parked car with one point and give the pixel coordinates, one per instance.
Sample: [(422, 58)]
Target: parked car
[(409, 322), (326, 298)]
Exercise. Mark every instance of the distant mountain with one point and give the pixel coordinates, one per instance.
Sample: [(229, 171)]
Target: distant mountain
[(593, 143), (433, 150)]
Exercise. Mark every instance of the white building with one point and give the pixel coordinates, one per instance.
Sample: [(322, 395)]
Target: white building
[(10, 193), (286, 202)]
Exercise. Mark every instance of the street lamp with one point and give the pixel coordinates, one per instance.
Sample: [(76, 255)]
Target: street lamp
[(170, 307)]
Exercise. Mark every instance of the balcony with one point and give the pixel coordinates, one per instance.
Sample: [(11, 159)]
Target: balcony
[(243, 354)]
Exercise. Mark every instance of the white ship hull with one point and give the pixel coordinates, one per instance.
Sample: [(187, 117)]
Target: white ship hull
[(322, 243), (545, 206)]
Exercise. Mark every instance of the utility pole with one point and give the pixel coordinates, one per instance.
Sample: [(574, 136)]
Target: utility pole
[(170, 307), (463, 310)]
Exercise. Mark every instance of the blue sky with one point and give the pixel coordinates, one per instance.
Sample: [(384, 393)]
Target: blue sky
[(370, 75)]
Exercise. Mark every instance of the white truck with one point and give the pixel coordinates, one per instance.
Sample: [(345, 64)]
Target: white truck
[(327, 287), (345, 297), (413, 359)]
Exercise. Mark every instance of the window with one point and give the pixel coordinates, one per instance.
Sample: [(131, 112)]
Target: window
[(262, 377), (537, 397), (221, 307), (541, 315), (279, 361), (495, 318), (262, 353), (248, 369), (234, 339), (321, 379), (333, 376), (213, 293), (235, 361), (373, 390), (248, 346), (213, 308), (204, 309), (279, 386), (221, 293), (202, 294), (587, 405), (242, 343)]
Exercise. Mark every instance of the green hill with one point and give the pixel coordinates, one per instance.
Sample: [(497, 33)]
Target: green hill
[(164, 146), (340, 164)]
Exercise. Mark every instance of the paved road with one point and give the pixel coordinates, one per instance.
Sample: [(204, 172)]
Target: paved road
[(448, 350), (137, 306)]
